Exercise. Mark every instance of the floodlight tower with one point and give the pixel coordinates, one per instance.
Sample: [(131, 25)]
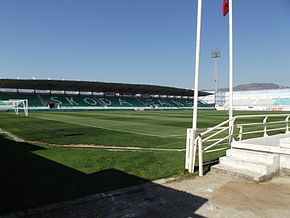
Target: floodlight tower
[(215, 54)]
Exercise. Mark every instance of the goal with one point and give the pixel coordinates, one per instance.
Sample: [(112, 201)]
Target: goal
[(14, 104)]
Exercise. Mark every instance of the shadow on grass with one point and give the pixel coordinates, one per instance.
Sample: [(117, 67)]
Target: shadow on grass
[(29, 181)]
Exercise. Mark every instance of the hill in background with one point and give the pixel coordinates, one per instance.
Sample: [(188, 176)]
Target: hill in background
[(255, 86)]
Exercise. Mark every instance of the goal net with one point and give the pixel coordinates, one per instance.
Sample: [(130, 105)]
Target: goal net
[(14, 104)]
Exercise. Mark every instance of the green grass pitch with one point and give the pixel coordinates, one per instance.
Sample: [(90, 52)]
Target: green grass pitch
[(162, 129), (36, 174)]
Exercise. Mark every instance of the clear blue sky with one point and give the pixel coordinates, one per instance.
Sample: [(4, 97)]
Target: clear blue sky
[(142, 41)]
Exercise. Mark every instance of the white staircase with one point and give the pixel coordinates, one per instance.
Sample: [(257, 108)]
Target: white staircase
[(253, 165)]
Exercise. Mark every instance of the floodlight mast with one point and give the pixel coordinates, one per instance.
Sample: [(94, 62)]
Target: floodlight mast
[(215, 54)]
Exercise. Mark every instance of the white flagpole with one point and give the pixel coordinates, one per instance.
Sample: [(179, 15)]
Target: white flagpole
[(196, 83), (231, 66)]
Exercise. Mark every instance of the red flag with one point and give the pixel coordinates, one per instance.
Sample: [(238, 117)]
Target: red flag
[(225, 9)]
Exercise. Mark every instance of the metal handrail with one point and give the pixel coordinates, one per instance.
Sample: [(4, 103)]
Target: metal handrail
[(251, 124), (230, 126), (216, 133), (262, 115), (216, 143), (217, 126)]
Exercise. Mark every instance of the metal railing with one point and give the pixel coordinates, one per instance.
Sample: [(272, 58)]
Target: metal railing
[(221, 136)]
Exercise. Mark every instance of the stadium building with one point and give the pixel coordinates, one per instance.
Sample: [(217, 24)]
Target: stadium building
[(81, 95), (257, 100)]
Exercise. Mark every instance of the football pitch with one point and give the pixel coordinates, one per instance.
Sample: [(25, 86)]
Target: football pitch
[(161, 129), (37, 172)]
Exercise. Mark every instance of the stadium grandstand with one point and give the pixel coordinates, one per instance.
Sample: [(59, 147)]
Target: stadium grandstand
[(81, 95), (258, 100)]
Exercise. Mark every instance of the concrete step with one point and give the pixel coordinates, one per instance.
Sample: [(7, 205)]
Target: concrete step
[(233, 162), (285, 143), (255, 157), (275, 148), (257, 177)]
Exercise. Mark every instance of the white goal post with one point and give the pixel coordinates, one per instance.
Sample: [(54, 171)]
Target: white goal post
[(14, 104)]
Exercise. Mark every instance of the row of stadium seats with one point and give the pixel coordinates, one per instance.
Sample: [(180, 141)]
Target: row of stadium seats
[(281, 101), (80, 101), (33, 100)]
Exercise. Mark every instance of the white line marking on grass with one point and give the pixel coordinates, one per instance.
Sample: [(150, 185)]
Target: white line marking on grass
[(114, 148), (168, 136), (117, 130)]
